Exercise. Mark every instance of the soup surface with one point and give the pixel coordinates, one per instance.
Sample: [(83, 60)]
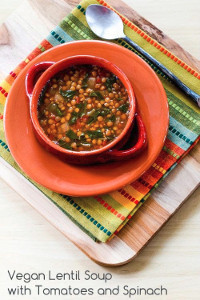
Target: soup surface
[(83, 108)]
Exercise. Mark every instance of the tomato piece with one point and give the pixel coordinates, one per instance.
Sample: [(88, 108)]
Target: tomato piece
[(77, 99), (98, 80), (78, 124), (84, 118)]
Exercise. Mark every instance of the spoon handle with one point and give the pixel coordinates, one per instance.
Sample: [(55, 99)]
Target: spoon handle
[(194, 96)]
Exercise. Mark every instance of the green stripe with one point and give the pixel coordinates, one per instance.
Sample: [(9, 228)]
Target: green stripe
[(42, 49), (75, 32), (183, 113), (172, 153), (87, 215), (82, 27), (94, 208), (158, 71)]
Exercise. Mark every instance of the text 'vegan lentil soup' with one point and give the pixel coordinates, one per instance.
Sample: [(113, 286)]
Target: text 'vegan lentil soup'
[(83, 108)]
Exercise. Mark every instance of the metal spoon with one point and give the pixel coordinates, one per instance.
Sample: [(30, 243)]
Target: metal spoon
[(107, 25)]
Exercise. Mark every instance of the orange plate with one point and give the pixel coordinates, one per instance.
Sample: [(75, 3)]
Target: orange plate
[(47, 169)]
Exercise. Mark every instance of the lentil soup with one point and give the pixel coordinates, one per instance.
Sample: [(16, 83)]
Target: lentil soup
[(83, 108)]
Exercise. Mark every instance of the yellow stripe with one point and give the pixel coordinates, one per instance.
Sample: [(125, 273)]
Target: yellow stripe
[(2, 99), (133, 192), (6, 86), (157, 167), (121, 200)]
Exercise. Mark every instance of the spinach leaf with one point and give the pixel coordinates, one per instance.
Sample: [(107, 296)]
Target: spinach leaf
[(96, 94), (85, 80), (110, 138), (76, 115), (65, 145), (112, 118), (80, 141), (42, 94), (67, 94), (106, 111), (123, 108), (82, 138), (73, 120), (110, 81), (54, 109), (71, 134), (81, 105), (82, 108), (93, 134), (91, 119), (94, 115)]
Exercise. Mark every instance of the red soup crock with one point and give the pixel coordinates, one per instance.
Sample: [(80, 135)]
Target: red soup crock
[(36, 79)]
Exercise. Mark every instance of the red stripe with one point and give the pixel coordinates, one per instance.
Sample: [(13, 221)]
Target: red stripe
[(128, 196), (145, 183), (176, 149), (139, 187), (46, 44), (165, 160), (3, 91), (154, 173), (110, 208), (148, 177), (13, 74)]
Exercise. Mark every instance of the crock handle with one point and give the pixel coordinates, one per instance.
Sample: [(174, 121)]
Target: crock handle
[(32, 74), (117, 155)]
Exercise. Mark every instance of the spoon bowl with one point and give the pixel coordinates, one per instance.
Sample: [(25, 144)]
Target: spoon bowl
[(104, 22)]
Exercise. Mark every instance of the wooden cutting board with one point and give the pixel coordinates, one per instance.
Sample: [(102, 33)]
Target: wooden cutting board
[(18, 36)]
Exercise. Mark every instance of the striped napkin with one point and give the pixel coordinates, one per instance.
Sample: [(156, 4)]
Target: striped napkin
[(103, 216)]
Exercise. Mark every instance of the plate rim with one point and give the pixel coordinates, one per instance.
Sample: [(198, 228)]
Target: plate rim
[(105, 189)]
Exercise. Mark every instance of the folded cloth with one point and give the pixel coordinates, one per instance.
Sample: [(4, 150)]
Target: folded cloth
[(103, 216)]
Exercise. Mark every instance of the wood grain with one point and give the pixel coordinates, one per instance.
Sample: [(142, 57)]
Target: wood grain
[(32, 26)]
